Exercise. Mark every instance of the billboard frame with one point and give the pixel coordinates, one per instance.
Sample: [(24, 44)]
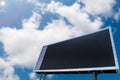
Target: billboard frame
[(81, 70)]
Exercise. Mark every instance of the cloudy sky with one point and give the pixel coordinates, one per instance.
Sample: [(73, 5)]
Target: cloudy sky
[(27, 25)]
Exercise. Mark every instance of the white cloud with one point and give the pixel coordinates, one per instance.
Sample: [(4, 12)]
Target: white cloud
[(77, 17), (97, 7), (21, 45), (50, 76), (7, 71), (24, 45), (33, 76), (33, 22), (117, 15)]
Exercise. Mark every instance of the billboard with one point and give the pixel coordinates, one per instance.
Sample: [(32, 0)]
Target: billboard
[(88, 53)]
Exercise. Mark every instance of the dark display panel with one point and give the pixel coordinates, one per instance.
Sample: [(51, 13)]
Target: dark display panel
[(89, 51)]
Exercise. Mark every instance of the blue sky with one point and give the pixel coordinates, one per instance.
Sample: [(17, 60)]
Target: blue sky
[(27, 25)]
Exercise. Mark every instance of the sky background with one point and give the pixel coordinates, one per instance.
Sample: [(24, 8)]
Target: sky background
[(27, 25)]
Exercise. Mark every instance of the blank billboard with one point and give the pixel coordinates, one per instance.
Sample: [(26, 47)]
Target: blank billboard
[(92, 52)]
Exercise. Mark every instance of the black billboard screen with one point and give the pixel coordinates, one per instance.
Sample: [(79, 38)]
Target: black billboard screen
[(92, 52)]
